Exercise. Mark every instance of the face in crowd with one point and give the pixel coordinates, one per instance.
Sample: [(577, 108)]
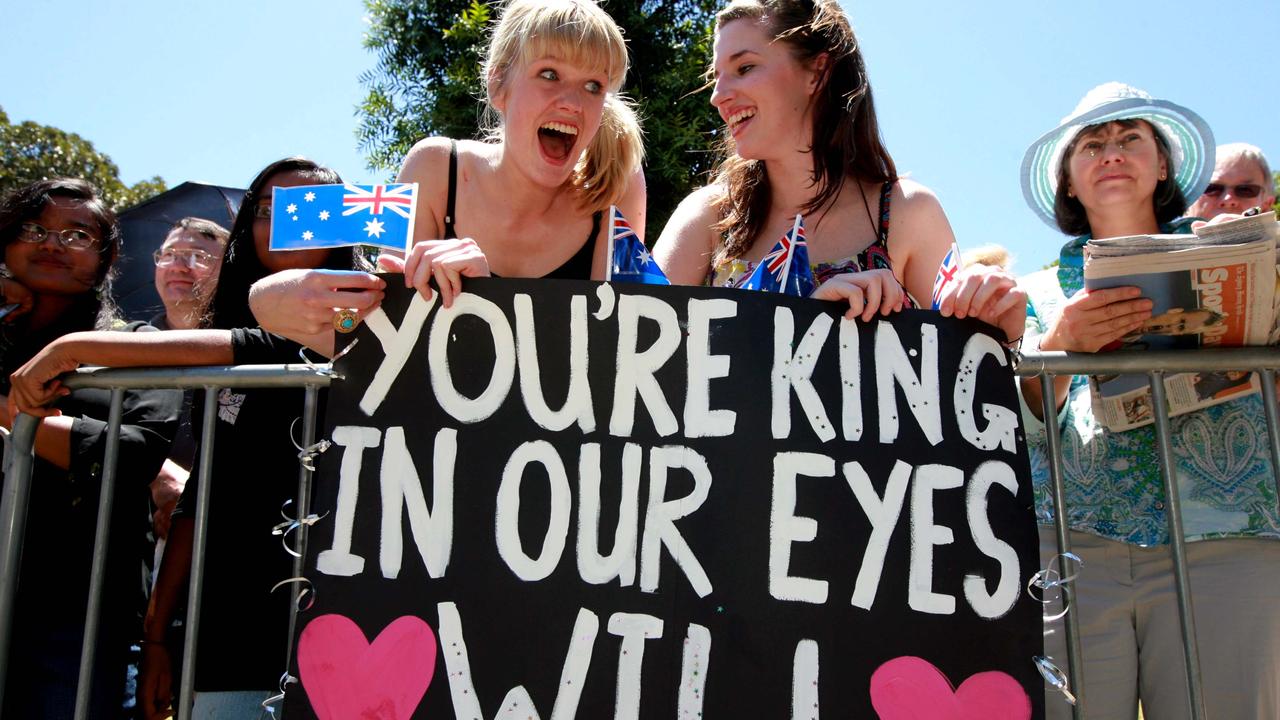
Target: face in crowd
[(762, 91), (1238, 183), (550, 69), (59, 251), (1115, 166), (187, 267)]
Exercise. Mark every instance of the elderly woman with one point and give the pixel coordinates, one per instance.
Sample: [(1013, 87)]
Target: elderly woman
[(60, 241), (1124, 163)]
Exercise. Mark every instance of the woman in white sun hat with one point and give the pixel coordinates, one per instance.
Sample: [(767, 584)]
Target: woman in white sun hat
[(1124, 163)]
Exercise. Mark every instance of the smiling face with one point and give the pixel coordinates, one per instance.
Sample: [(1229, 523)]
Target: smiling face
[(185, 282), (551, 110), (49, 268), (1116, 165), (762, 91)]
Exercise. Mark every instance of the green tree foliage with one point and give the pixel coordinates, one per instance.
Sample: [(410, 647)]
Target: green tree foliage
[(427, 82), (30, 152)]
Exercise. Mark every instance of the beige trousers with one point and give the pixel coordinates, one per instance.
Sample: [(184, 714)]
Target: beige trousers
[(1128, 615)]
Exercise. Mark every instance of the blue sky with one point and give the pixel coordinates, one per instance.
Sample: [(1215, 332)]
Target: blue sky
[(215, 91)]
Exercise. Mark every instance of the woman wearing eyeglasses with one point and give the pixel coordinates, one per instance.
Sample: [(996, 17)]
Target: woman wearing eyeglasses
[(59, 242), (243, 628), (1124, 163)]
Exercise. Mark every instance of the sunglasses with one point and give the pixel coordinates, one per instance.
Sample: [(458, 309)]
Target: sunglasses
[(1248, 190)]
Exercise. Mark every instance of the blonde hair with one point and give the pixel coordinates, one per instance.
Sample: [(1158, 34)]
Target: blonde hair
[(580, 33), (991, 254)]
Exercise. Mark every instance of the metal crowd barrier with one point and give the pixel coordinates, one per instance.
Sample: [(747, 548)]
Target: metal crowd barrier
[(1153, 364), (1045, 365), (21, 457)]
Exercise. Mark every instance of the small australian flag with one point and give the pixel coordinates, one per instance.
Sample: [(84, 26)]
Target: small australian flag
[(629, 259), (325, 216), (786, 268)]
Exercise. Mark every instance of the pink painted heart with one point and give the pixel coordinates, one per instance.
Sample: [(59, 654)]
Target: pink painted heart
[(347, 677), (910, 688)]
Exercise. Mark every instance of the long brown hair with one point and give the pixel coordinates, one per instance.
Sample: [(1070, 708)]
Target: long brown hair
[(846, 136)]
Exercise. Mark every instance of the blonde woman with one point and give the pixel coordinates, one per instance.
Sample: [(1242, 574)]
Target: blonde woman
[(529, 200)]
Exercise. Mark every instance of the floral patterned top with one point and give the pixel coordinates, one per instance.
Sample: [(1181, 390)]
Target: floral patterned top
[(1112, 479), (734, 272)]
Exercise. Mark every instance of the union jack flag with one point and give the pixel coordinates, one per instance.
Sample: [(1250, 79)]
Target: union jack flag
[(947, 272), (629, 259), (326, 216), (376, 198), (786, 268)]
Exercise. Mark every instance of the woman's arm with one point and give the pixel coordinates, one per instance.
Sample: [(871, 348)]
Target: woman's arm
[(919, 237), (446, 261), (428, 165), (35, 385), (688, 242)]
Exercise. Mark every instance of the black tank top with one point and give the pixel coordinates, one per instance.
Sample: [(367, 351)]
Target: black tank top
[(577, 267)]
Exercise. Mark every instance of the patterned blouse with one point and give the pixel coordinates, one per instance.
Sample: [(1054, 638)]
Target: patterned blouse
[(1113, 486), (734, 272)]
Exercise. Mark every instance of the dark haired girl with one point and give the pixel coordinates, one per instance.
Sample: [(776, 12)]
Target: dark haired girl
[(791, 86), (59, 242), (243, 628)]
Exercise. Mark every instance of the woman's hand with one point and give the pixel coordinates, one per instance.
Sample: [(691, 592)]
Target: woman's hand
[(448, 261), (868, 293), (155, 682), (1091, 320), (15, 293), (166, 489), (299, 304), (990, 295), (35, 385)]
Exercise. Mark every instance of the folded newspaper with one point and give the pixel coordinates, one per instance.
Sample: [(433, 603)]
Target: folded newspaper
[(1216, 288)]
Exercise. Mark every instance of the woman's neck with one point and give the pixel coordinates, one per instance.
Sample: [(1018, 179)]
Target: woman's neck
[(791, 183), (522, 198), (49, 309), (1118, 222)]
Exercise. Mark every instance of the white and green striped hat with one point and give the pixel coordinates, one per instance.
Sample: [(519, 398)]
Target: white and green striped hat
[(1190, 142)]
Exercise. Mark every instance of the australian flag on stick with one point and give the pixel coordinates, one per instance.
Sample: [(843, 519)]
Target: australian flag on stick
[(325, 216), (786, 268), (629, 259), (947, 272)]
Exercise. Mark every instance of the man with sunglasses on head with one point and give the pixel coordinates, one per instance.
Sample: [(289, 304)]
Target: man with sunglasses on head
[(1241, 180)]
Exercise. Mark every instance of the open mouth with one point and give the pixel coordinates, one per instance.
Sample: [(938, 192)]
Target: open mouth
[(738, 120), (557, 140)]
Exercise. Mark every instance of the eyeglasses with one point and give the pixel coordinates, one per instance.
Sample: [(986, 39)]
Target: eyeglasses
[(1128, 144), (192, 259), (262, 211), (1248, 190), (71, 238)]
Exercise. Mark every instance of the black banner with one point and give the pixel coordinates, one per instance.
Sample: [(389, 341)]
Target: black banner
[(571, 499)]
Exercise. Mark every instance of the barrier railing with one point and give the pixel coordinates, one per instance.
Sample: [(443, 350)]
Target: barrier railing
[(21, 459), (1045, 365), (1153, 364)]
